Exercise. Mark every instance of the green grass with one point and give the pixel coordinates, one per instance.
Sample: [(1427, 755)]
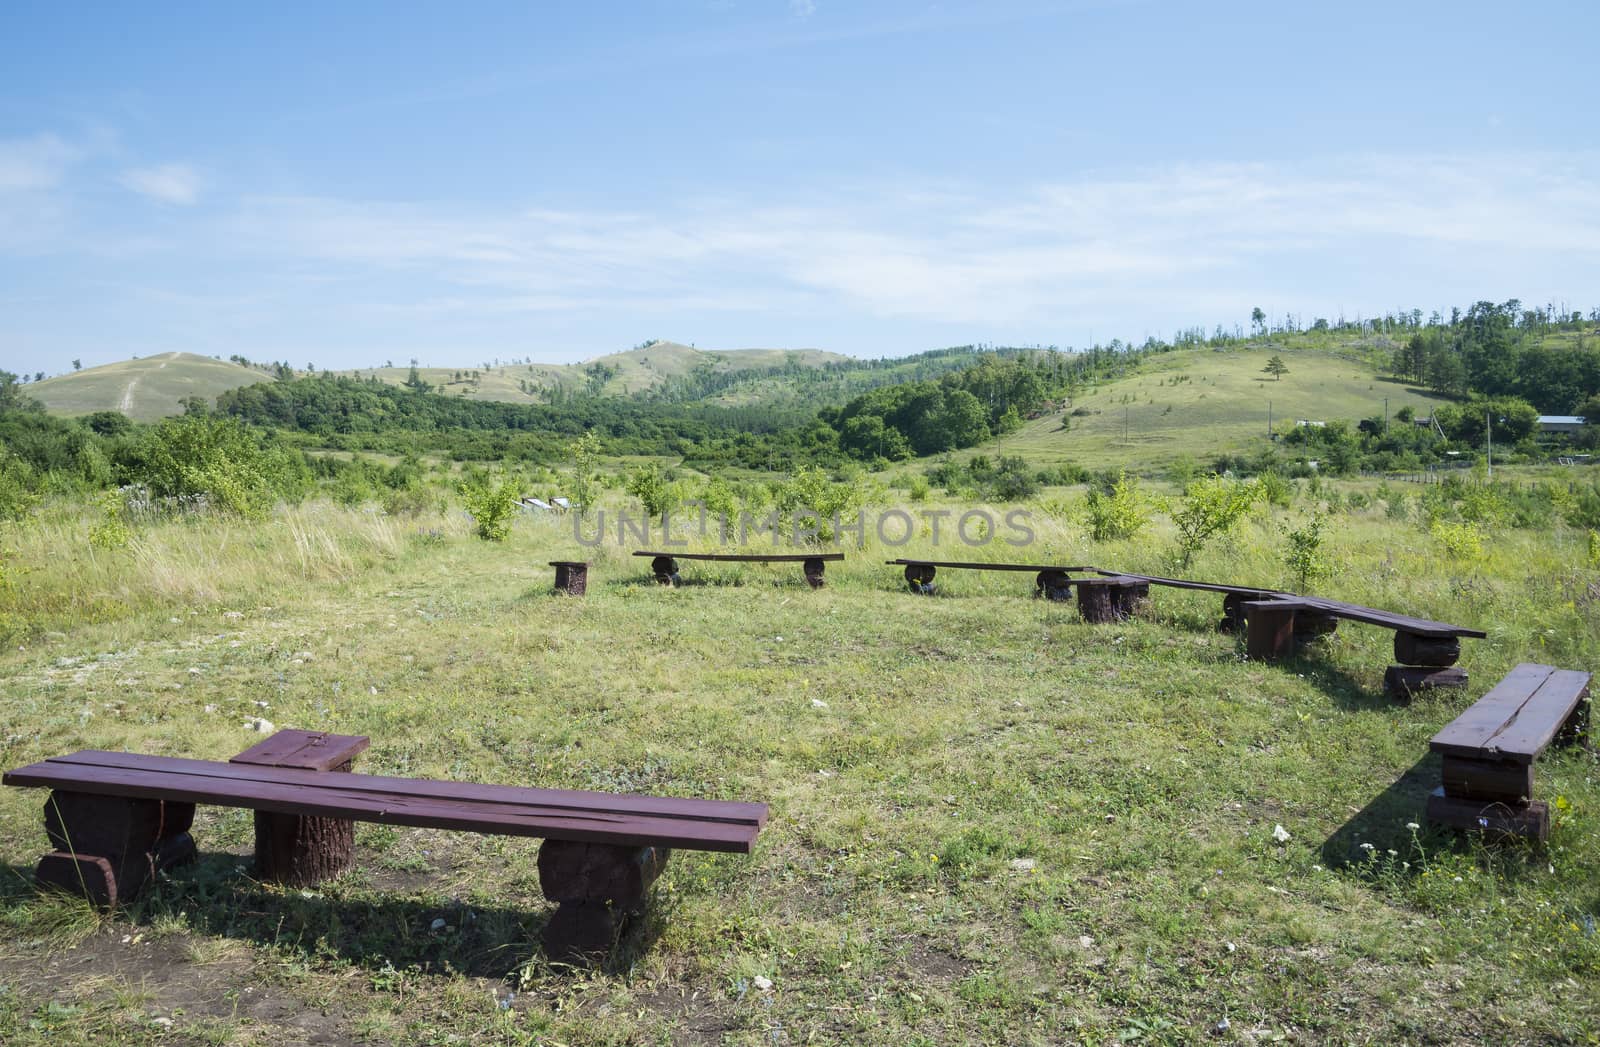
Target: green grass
[(1201, 404), (991, 822), (145, 389)]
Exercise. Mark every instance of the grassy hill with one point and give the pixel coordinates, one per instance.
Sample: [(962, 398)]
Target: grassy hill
[(1203, 403), (617, 374), (143, 389)]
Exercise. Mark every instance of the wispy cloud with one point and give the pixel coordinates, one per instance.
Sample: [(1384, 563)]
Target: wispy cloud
[(950, 256), (29, 164), (802, 8), (169, 183)]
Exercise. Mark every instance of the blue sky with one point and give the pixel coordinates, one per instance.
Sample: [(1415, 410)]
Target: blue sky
[(347, 184)]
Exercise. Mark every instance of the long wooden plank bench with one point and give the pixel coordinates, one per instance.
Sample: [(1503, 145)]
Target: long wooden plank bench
[(1277, 622), (116, 819), (1487, 753), (1050, 581), (665, 565)]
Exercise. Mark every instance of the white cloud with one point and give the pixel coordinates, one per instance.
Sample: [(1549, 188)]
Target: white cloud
[(29, 164), (169, 183), (803, 8), (1146, 247)]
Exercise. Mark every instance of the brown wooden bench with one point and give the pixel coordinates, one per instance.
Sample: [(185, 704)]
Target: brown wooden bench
[(665, 565), (1487, 753), (1049, 581), (116, 819), (1278, 622)]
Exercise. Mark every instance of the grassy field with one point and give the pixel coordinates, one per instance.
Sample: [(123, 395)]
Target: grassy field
[(1202, 404), (145, 389), (991, 822)]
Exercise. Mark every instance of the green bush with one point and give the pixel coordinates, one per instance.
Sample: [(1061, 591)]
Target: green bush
[(491, 503), (1303, 555), (219, 463), (1120, 512), (17, 495), (658, 494), (1211, 506)]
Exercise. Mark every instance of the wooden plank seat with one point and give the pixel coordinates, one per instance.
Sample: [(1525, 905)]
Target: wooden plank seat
[(1278, 622), (1050, 581), (1487, 753), (665, 565), (116, 819)]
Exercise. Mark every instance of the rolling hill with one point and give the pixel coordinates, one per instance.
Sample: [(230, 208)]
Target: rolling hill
[(616, 374), (143, 389), (1204, 403)]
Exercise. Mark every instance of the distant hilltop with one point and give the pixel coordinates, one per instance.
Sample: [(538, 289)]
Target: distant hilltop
[(151, 387)]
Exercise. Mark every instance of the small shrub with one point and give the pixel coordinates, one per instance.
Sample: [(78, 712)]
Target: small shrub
[(1275, 490), (1461, 541), (408, 501), (491, 505), (1397, 506), (1211, 507), (648, 484), (112, 532), (1121, 512), (1304, 556), (17, 495), (919, 489)]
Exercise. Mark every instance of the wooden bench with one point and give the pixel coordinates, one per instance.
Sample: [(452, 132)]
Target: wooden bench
[(1278, 622), (665, 565), (117, 819), (1051, 582), (1487, 753)]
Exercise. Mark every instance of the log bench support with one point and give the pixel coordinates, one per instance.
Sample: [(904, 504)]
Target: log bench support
[(107, 848), (1270, 633), (665, 568), (599, 890), (303, 850), (1110, 599), (919, 576), (572, 576), (1427, 663), (1053, 585), (1487, 753)]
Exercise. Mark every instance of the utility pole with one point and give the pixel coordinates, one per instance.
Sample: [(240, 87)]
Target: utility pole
[(1488, 433)]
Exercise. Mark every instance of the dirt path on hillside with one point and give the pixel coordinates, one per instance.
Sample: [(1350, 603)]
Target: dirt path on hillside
[(126, 406)]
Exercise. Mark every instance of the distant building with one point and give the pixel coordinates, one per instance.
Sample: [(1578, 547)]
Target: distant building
[(1560, 423)]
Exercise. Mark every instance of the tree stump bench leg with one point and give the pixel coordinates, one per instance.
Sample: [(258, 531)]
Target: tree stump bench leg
[(1270, 633), (814, 569), (108, 848), (1095, 601), (1128, 600), (599, 888), (301, 851), (1233, 617), (1434, 651), (304, 850), (1053, 585), (1400, 682), (572, 578), (920, 578), (1313, 625), (665, 569)]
